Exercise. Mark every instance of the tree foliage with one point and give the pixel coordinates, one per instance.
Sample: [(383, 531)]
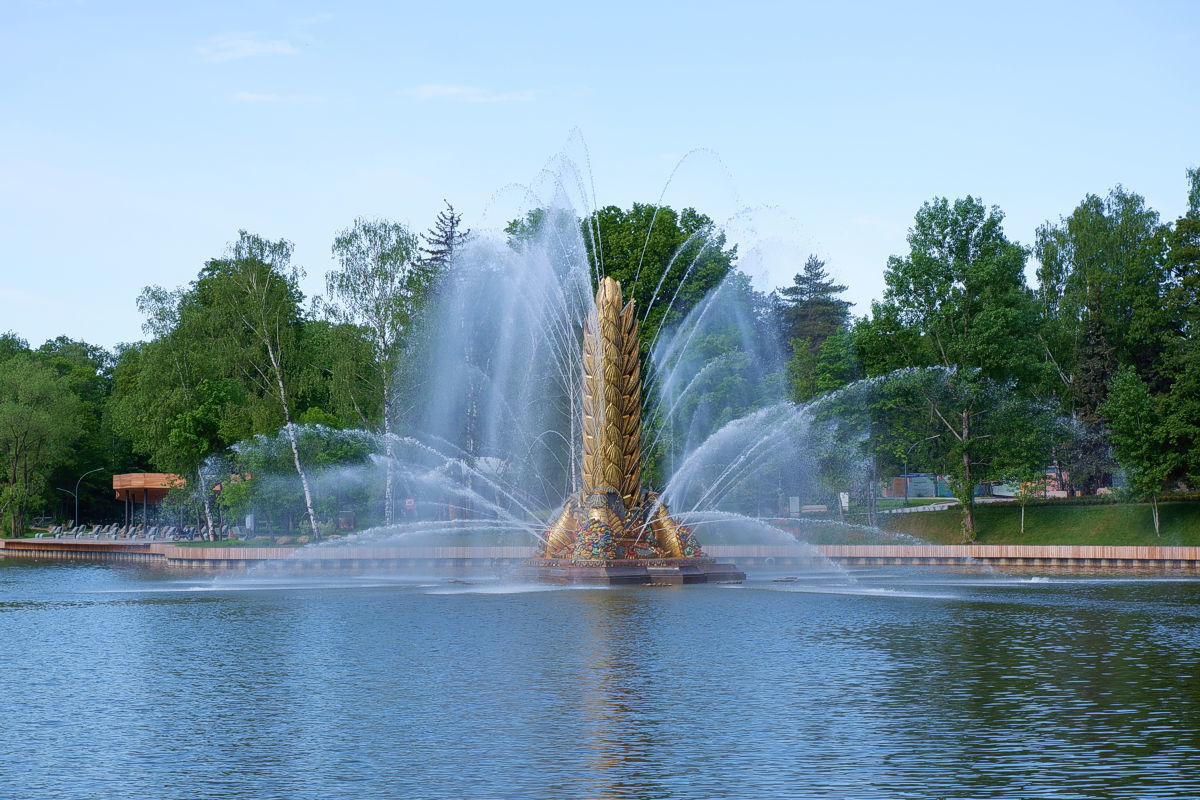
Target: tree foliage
[(666, 260), (1140, 437), (960, 367), (1181, 403), (380, 287), (1101, 293), (40, 419), (958, 303), (812, 316)]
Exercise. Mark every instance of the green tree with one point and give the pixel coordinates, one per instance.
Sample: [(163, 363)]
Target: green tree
[(1029, 432), (10, 345), (957, 303), (174, 397), (205, 381), (836, 364), (255, 288), (88, 370), (381, 285), (1140, 437), (810, 308), (810, 313), (667, 261), (39, 422), (1182, 402), (1101, 282)]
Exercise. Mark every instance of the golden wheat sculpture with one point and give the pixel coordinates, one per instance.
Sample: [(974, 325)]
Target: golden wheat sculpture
[(612, 518)]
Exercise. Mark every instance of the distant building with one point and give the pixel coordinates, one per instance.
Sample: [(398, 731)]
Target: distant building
[(920, 484)]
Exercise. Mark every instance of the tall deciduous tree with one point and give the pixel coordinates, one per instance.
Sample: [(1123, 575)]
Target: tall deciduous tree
[(39, 421), (380, 286), (666, 260), (88, 370), (1026, 448), (958, 303), (172, 396), (1101, 279), (10, 345), (1182, 402), (256, 287)]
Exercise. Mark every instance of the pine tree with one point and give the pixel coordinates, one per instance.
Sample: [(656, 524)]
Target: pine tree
[(811, 309), (810, 314), (443, 239)]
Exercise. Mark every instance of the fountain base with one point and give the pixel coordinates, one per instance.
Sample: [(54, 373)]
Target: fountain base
[(665, 571)]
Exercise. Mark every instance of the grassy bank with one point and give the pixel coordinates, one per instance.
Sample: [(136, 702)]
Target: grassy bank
[(1117, 524), (1045, 524)]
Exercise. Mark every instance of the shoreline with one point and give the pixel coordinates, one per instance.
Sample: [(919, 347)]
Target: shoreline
[(349, 557)]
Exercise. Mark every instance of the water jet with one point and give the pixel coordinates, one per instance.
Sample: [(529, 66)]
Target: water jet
[(612, 530)]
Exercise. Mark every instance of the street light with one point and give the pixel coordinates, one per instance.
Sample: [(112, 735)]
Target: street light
[(906, 452), (75, 493)]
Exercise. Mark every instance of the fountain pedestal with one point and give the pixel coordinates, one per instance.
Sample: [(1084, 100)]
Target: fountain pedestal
[(613, 531), (668, 571)]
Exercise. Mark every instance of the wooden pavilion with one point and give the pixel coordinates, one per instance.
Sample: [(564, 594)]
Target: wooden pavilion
[(148, 488)]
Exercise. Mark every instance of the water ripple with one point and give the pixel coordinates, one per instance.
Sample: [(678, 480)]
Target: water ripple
[(900, 684)]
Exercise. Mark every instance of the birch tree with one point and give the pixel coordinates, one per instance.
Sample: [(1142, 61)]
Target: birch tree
[(257, 291), (380, 285)]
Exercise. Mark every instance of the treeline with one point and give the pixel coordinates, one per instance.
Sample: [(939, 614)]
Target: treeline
[(242, 380), (1094, 368), (963, 367)]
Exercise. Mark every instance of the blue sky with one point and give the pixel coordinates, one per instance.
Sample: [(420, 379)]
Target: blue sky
[(137, 138)]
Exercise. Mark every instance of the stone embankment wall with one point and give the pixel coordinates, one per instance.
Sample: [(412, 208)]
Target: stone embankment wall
[(345, 556)]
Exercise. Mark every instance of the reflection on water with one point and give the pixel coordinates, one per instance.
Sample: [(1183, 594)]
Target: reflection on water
[(893, 683)]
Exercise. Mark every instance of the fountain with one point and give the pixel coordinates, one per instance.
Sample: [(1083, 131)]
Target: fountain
[(529, 421), (613, 531)]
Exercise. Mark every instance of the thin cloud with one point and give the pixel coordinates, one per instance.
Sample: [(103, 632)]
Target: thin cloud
[(233, 46), (466, 94)]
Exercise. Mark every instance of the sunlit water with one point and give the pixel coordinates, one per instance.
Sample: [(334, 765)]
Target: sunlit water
[(125, 683)]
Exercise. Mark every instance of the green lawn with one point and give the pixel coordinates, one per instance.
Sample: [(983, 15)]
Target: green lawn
[(1055, 523), (1117, 524)]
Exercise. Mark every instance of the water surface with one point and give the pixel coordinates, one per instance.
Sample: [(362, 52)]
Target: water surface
[(121, 682)]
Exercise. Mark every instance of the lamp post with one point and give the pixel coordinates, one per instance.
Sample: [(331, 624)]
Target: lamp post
[(906, 452), (75, 493)]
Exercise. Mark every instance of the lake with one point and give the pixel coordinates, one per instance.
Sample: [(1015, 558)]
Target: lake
[(124, 682)]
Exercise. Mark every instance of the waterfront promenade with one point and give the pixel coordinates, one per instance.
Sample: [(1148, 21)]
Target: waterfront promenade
[(345, 556)]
